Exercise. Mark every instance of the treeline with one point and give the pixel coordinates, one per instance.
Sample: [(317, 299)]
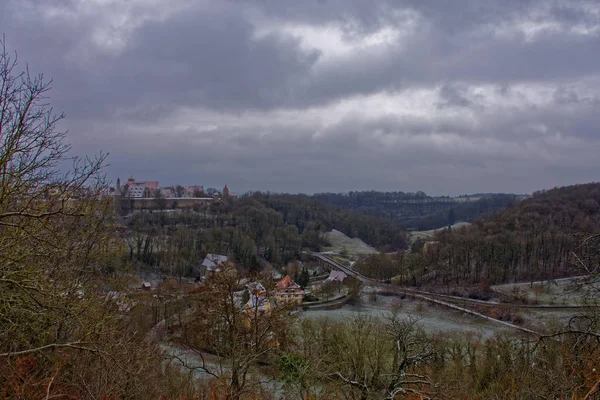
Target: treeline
[(417, 211), (274, 228), (364, 358)]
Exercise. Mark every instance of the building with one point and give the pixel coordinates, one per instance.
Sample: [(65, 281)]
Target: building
[(256, 288), (140, 189), (336, 276), (167, 192), (289, 292), (258, 300), (257, 305), (194, 191), (225, 191), (213, 262)]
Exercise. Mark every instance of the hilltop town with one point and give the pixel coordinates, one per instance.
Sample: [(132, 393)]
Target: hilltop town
[(149, 195)]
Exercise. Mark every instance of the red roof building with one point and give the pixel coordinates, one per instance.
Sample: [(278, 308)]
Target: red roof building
[(288, 291), (140, 189)]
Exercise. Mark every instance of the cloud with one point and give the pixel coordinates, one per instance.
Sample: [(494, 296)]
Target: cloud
[(325, 95)]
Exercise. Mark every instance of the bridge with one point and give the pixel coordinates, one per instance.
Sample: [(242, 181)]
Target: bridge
[(330, 263)]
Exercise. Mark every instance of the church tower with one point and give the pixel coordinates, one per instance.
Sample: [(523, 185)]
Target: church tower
[(225, 191)]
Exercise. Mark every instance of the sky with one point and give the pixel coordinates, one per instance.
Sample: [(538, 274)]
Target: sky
[(447, 97)]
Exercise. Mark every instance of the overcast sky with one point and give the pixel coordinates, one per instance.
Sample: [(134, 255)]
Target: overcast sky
[(448, 97)]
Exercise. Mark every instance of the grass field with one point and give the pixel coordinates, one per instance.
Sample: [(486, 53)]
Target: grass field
[(567, 291), (414, 235), (340, 243)]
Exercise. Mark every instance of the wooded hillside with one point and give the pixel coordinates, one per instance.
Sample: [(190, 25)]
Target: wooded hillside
[(275, 228), (532, 240)]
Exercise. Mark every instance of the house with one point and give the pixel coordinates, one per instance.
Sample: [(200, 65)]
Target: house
[(256, 304), (213, 262), (256, 288), (258, 300), (276, 275), (336, 276), (288, 291)]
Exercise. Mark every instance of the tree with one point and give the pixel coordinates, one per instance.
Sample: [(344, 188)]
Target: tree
[(451, 217), (360, 358), (328, 289), (304, 278), (239, 334), (52, 223), (55, 245), (160, 200), (179, 191)]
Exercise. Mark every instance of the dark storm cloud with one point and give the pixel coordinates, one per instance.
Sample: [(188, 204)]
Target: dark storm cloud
[(205, 56), (211, 59), (320, 95)]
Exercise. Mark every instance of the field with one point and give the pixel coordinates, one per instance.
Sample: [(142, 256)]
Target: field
[(340, 243), (415, 235)]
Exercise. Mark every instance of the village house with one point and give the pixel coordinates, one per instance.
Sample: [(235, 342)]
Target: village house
[(213, 263), (289, 292), (258, 300)]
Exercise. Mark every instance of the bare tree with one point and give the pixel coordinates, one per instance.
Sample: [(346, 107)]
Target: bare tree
[(56, 243), (54, 222), (179, 191), (361, 358), (239, 334)]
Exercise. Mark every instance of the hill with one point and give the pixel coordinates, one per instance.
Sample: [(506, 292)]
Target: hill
[(341, 243), (532, 240), (302, 210), (429, 234), (258, 226)]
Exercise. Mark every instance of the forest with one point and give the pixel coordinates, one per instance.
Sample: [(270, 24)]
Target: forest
[(257, 227)]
